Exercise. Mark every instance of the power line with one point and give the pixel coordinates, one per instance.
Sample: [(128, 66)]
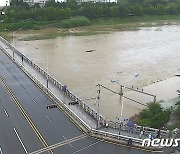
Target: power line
[(122, 95)]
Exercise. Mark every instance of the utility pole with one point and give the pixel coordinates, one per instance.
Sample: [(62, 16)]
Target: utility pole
[(121, 94), (98, 98)]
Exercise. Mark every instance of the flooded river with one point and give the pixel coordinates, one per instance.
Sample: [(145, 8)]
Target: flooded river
[(135, 58)]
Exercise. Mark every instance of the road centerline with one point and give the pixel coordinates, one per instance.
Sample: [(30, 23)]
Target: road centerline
[(24, 113)]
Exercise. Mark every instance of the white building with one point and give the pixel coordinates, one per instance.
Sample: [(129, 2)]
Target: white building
[(32, 2), (97, 1), (42, 2)]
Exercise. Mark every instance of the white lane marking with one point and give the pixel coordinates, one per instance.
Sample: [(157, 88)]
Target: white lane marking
[(20, 140), (86, 147), (6, 113), (66, 140), (34, 101), (14, 77), (48, 118), (1, 152)]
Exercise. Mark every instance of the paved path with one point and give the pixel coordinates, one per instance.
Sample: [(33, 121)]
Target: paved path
[(52, 130), (75, 108)]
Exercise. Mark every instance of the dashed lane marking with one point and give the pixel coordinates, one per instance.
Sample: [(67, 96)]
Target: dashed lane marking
[(48, 118), (66, 140), (6, 113), (34, 101), (20, 140), (1, 152), (25, 114)]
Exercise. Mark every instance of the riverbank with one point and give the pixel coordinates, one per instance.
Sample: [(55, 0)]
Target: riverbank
[(96, 27), (148, 51)]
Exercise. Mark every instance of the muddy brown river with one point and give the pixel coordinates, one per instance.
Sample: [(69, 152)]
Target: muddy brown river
[(135, 58)]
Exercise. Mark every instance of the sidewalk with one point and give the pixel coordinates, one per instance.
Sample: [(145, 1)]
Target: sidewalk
[(78, 110)]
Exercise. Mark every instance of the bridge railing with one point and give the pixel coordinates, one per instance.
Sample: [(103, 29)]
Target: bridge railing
[(53, 97), (82, 104), (57, 84), (115, 136), (136, 129)]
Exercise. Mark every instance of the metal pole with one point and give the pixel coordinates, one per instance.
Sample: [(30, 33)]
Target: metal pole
[(154, 98), (98, 97), (47, 70), (13, 44), (121, 94), (13, 38)]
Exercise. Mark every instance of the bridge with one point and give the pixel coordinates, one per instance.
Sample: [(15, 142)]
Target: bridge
[(42, 116)]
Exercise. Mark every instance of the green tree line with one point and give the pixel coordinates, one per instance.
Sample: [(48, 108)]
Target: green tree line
[(19, 11)]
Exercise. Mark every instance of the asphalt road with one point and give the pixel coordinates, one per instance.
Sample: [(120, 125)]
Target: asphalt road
[(14, 127), (53, 126)]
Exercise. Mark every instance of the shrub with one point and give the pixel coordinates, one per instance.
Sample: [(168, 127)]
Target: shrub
[(154, 116), (75, 22)]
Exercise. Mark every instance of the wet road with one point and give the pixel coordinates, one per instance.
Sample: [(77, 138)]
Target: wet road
[(52, 125)]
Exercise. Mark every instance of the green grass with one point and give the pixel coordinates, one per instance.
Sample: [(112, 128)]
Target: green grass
[(90, 27), (24, 25)]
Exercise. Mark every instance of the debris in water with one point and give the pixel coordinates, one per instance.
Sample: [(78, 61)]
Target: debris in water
[(89, 50)]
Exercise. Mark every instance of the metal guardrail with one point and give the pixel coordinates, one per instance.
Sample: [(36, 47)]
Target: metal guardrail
[(55, 98), (136, 129), (82, 104), (57, 84), (115, 136)]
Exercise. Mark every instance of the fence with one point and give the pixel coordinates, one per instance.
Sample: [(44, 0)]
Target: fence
[(73, 97)]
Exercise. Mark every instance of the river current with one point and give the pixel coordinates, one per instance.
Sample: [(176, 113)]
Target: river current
[(135, 58)]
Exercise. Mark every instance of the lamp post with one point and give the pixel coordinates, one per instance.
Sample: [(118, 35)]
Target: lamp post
[(13, 36), (97, 99), (120, 94), (47, 71)]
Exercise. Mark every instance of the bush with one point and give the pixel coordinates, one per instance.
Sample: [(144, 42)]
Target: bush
[(75, 22), (154, 116), (177, 111), (24, 25)]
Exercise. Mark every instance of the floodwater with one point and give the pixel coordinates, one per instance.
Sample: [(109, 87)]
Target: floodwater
[(135, 58)]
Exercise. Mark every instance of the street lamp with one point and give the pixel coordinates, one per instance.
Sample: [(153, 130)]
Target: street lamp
[(120, 94), (47, 71), (97, 99), (13, 34)]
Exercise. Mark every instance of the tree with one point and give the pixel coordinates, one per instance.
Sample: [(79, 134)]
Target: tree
[(154, 116), (137, 10), (19, 3)]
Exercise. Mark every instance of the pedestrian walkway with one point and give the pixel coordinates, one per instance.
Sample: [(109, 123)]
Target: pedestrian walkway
[(77, 109)]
